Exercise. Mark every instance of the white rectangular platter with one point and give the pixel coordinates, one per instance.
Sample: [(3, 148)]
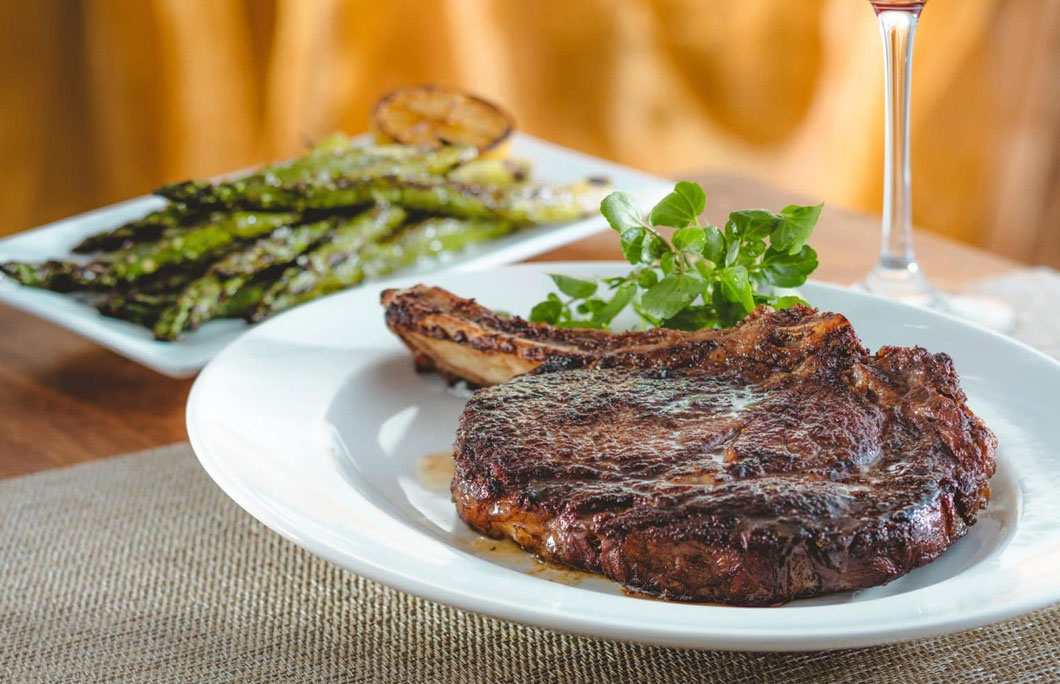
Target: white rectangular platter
[(551, 163)]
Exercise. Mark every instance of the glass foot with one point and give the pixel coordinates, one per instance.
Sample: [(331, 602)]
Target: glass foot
[(903, 283), (909, 286)]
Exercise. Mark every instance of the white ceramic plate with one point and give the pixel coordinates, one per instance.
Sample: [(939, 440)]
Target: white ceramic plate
[(551, 163), (316, 423)]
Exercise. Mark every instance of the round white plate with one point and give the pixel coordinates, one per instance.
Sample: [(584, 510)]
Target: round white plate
[(316, 424)]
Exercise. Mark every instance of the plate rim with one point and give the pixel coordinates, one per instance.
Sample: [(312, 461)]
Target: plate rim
[(808, 638)]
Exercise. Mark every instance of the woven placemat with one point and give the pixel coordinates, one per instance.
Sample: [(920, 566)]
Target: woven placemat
[(139, 569)]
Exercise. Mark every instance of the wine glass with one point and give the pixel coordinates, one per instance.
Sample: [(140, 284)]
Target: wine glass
[(897, 274)]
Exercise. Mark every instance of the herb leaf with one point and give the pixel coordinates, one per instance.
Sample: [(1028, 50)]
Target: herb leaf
[(647, 278), (736, 287), (623, 215), (623, 296), (692, 318), (690, 239), (784, 269), (671, 294), (632, 243), (653, 248), (547, 311), (733, 252), (573, 287), (681, 207), (753, 224), (714, 245), (788, 302), (796, 224), (621, 212)]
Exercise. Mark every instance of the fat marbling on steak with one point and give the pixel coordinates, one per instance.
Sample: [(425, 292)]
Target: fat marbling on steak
[(775, 460)]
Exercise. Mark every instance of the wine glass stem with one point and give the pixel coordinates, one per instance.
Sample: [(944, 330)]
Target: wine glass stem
[(897, 274), (897, 28)]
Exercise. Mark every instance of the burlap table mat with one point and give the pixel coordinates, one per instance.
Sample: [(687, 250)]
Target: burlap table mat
[(139, 569)]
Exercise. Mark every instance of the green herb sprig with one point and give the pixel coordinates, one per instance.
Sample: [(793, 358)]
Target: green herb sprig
[(703, 277)]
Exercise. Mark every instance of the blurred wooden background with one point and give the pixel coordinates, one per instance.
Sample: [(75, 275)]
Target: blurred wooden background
[(106, 99)]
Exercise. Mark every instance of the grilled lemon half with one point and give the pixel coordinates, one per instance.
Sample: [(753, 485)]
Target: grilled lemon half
[(432, 115)]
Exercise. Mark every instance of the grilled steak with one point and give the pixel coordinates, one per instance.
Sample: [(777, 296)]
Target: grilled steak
[(775, 460)]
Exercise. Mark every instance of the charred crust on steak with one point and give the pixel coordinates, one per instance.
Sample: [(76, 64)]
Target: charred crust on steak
[(775, 460)]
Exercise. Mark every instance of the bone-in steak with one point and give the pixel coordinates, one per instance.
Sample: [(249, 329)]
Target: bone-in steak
[(772, 461)]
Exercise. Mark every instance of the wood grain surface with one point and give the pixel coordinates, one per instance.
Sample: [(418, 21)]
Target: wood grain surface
[(66, 400)]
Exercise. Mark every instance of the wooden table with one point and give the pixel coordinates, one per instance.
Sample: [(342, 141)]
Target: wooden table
[(65, 400)]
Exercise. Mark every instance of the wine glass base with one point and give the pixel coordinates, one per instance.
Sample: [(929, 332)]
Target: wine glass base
[(904, 283), (909, 286)]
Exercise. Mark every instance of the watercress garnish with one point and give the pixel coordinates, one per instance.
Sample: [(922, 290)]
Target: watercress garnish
[(702, 277)]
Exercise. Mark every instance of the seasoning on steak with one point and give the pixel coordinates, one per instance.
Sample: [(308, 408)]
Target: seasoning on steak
[(755, 465)]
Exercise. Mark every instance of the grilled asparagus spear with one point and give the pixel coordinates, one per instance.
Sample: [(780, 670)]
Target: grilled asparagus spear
[(142, 308), (272, 186), (344, 269), (433, 237), (187, 249), (145, 301), (330, 267), (281, 247), (435, 194), (60, 276), (204, 241), (211, 295), (150, 227)]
